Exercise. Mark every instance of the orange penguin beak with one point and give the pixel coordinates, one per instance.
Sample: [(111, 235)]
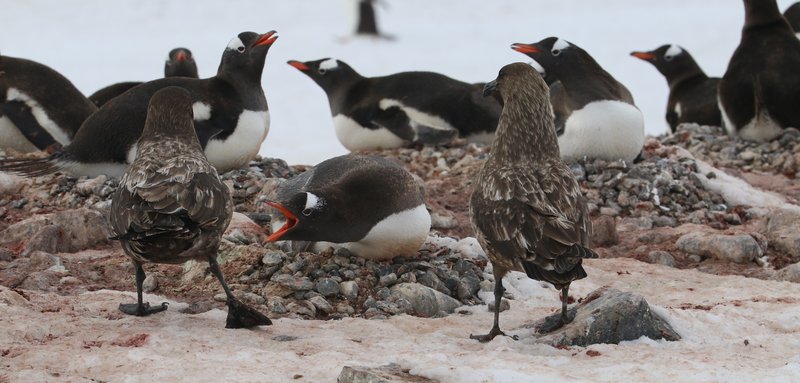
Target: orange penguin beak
[(291, 221), (298, 65), (525, 48), (266, 39), (646, 56)]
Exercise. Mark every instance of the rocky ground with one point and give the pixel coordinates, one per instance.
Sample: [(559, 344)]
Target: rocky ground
[(697, 199)]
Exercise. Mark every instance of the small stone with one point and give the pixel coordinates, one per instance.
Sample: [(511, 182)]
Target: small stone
[(254, 298), (150, 283), (391, 373), (349, 289), (388, 280), (468, 286), (425, 301), (277, 305), (302, 307), (321, 304), (327, 287), (741, 248), (504, 305), (664, 221), (661, 258), (272, 259), (604, 231), (344, 308), (431, 280)]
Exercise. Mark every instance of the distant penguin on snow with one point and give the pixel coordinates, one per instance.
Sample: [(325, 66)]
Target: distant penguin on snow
[(692, 94), (595, 115), (401, 109), (231, 118), (39, 108), (367, 204), (180, 63)]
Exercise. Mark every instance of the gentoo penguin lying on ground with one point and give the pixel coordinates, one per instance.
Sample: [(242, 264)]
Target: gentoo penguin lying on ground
[(230, 117), (367, 204), (759, 92), (692, 94), (595, 116), (171, 206), (401, 109), (180, 63), (39, 108), (527, 208)]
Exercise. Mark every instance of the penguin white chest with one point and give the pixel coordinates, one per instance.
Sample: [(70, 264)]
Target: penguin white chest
[(236, 150), (761, 128), (355, 137), (398, 234), (607, 129)]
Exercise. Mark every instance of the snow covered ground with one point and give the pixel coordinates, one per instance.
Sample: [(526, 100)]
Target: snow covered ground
[(95, 43), (734, 329)]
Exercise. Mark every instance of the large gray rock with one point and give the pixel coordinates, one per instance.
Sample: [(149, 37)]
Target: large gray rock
[(783, 232), (65, 231), (740, 248), (789, 273), (425, 301), (609, 316), (391, 373)]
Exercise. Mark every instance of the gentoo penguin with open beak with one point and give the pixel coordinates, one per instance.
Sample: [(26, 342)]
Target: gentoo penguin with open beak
[(180, 63), (595, 116), (39, 108), (759, 92), (527, 208), (401, 109), (171, 206), (367, 204), (692, 94), (230, 118)]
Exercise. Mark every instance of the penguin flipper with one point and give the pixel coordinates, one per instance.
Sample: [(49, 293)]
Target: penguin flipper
[(22, 116), (433, 136), (392, 119), (560, 101), (396, 120)]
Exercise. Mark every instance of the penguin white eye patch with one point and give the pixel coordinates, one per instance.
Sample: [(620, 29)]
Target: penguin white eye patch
[(236, 44)]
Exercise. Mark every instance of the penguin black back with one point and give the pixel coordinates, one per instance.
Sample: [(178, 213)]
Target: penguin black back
[(44, 104)]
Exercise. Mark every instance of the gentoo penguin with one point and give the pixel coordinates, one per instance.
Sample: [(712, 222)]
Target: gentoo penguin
[(792, 15), (527, 208), (230, 117), (759, 91), (180, 63), (171, 206), (595, 116), (367, 204), (39, 108), (401, 109), (692, 94), (367, 24)]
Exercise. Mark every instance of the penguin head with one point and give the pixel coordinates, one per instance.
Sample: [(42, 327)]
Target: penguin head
[(551, 55), (246, 53), (308, 217), (669, 59), (180, 63), (327, 73)]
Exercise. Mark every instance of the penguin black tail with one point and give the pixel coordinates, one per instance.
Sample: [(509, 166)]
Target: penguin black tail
[(31, 167)]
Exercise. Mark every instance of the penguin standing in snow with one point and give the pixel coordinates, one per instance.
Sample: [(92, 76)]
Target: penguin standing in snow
[(759, 92), (692, 94), (180, 63), (367, 204), (39, 108), (595, 115), (231, 118), (401, 109)]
